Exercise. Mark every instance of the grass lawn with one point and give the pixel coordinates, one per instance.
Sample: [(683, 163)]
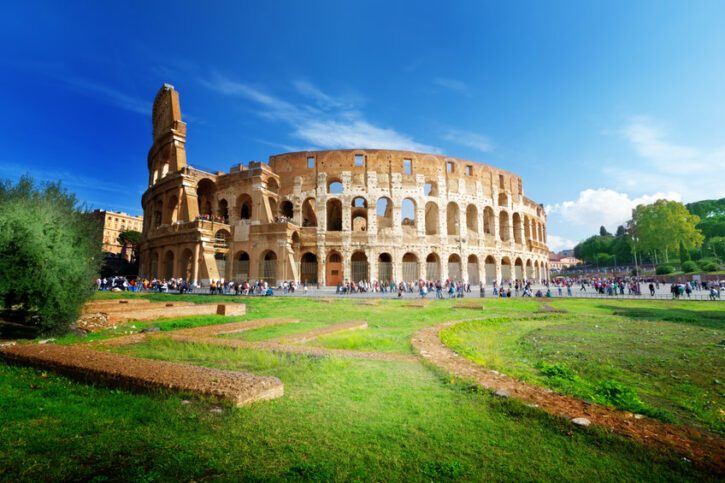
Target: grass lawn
[(346, 419)]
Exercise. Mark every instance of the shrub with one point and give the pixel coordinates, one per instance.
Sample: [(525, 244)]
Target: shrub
[(689, 266), (49, 254), (664, 269), (711, 267), (556, 370)]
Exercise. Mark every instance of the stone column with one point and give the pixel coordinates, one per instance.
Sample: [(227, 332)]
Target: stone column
[(346, 272), (195, 264), (498, 271), (321, 266)]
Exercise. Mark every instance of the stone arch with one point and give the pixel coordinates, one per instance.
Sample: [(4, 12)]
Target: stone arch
[(241, 266), (244, 206), (519, 269), (186, 264), (220, 258), (503, 224), (529, 270), (335, 186), (359, 266), (430, 188), (517, 228), (309, 212), (527, 227), (359, 214), (433, 267), (205, 193), (489, 221), (472, 269), (169, 264), (472, 220), (154, 264), (407, 213), (222, 239), (489, 265), (272, 185), (410, 267), (503, 199), (164, 168), (158, 213), (333, 270), (268, 267), (172, 210), (223, 211), (295, 240), (454, 267), (432, 218), (537, 272), (453, 217), (272, 208), (384, 212), (334, 214), (287, 209), (308, 268), (506, 272), (385, 267)]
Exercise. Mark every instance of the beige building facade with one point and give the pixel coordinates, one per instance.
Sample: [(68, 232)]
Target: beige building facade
[(114, 223), (327, 217)]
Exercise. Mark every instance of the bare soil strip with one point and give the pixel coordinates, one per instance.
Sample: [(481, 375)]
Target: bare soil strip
[(120, 370), (303, 337), (705, 448), (293, 349), (470, 304)]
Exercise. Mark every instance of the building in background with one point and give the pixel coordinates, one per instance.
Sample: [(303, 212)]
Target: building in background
[(330, 217), (114, 223), (558, 262)]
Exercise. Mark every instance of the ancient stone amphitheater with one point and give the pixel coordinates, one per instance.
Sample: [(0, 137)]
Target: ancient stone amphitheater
[(333, 216)]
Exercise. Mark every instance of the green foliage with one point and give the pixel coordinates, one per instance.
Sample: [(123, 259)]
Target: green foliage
[(689, 266), (616, 394), (664, 225), (716, 247), (621, 230), (684, 253), (664, 269), (603, 231), (711, 266), (49, 253), (604, 250)]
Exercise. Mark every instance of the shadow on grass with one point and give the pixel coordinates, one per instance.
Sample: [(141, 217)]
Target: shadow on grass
[(711, 319)]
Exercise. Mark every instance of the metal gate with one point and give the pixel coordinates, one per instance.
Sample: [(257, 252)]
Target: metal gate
[(433, 271), (268, 271), (308, 272), (473, 273), (385, 271), (241, 270), (221, 264), (359, 271), (410, 271)]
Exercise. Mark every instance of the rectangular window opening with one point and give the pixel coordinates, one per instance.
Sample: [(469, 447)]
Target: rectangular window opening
[(407, 166), (501, 183), (469, 170), (359, 160), (310, 162), (449, 166)]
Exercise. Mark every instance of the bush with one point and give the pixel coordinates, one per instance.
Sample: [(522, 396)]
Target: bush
[(711, 267), (49, 254), (689, 266), (664, 269)]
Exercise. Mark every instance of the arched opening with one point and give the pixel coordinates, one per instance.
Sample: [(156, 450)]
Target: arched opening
[(432, 267), (517, 228), (205, 192), (172, 210), (385, 267), (223, 211), (286, 209), (158, 213), (454, 267), (537, 271), (503, 223), (308, 268), (268, 267), (529, 270), (432, 218), (410, 267), (222, 239), (186, 262), (273, 209), (473, 277), (154, 269), (334, 186), (506, 269), (453, 219), (333, 274), (407, 214), (503, 200), (164, 169), (273, 185), (489, 265), (359, 267), (359, 214), (519, 269), (309, 212), (489, 222), (169, 265), (241, 267), (221, 264), (430, 188), (244, 206), (527, 228), (295, 241), (384, 213), (472, 220), (334, 215)]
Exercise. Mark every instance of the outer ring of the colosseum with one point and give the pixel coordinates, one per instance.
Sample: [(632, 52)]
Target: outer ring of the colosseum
[(334, 216)]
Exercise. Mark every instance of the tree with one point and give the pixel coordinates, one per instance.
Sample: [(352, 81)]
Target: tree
[(130, 239), (50, 253), (661, 226), (603, 231), (621, 231), (684, 253)]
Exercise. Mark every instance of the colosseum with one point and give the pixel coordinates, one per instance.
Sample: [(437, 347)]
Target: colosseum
[(327, 217)]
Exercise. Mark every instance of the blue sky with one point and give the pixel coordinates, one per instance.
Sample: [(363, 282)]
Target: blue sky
[(598, 105)]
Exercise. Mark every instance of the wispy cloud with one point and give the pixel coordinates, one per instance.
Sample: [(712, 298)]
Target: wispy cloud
[(469, 139), (319, 119), (452, 85), (107, 94)]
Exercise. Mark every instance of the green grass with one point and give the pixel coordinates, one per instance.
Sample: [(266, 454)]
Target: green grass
[(340, 419)]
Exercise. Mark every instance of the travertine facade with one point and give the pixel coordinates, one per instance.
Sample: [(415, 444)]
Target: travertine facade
[(330, 216), (114, 223)]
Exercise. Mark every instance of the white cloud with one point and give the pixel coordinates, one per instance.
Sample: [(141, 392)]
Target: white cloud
[(557, 243), (452, 85), (108, 94), (469, 139), (596, 207), (322, 120)]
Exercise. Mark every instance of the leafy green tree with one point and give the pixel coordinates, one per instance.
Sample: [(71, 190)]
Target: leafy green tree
[(50, 253), (603, 231), (130, 239), (621, 231), (661, 226), (684, 253), (716, 247)]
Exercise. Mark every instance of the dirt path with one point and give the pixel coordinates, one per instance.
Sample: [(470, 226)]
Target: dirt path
[(118, 370), (309, 335), (705, 448)]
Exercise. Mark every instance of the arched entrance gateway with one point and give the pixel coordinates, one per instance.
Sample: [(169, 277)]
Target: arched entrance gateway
[(410, 267), (385, 268), (268, 267), (454, 267), (506, 273), (308, 268), (241, 267), (490, 266), (519, 269), (186, 264), (432, 267), (169, 265), (359, 267), (333, 272), (473, 278)]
